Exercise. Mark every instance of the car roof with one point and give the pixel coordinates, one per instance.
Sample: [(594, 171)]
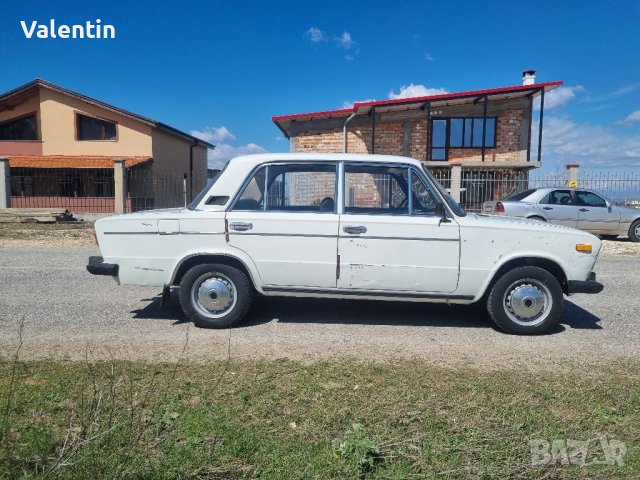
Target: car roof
[(260, 158)]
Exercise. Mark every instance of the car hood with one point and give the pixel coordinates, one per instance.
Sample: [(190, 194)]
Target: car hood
[(519, 223)]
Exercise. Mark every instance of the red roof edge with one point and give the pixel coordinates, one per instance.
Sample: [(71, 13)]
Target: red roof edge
[(444, 96)]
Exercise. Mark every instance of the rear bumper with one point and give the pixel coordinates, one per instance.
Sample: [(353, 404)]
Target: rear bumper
[(584, 286), (96, 266)]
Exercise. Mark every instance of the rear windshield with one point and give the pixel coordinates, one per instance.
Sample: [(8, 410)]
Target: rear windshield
[(516, 197)]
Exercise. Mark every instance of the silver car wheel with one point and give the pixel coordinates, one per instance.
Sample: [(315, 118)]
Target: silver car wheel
[(637, 230), (527, 302), (213, 295)]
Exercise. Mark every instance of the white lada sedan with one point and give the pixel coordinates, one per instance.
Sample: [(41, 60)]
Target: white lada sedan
[(345, 226)]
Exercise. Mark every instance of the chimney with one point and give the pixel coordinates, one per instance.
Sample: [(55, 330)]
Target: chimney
[(528, 77)]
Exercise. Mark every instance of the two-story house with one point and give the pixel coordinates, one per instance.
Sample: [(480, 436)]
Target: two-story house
[(61, 147), (489, 133)]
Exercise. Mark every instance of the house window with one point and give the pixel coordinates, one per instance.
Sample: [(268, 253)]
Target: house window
[(25, 128), (91, 128), (460, 132)]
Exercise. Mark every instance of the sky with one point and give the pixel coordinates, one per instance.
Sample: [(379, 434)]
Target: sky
[(221, 70)]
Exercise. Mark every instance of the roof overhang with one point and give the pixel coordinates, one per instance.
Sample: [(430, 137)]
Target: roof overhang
[(72, 161), (283, 122)]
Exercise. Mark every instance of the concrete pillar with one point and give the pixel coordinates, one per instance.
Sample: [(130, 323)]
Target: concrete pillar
[(5, 183), (456, 181), (572, 175), (120, 191), (406, 138)]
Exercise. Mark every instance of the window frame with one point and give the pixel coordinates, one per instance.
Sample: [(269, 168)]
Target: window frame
[(448, 145), (76, 123), (22, 117), (581, 203), (573, 202), (266, 166)]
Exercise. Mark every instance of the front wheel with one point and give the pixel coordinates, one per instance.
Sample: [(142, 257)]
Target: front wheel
[(526, 300), (634, 231), (215, 296)]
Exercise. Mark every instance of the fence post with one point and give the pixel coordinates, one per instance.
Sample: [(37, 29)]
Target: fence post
[(572, 175), (456, 181), (5, 183), (120, 193)]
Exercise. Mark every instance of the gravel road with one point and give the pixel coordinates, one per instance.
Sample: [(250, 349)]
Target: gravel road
[(69, 313)]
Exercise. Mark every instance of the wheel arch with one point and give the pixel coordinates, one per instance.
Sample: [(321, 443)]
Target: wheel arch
[(529, 261), (220, 258)]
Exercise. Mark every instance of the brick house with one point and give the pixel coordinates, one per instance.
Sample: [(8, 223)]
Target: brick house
[(484, 136), (61, 147)]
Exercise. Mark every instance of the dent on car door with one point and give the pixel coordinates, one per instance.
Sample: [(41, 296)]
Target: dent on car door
[(392, 241), (559, 206), (595, 215), (286, 221)]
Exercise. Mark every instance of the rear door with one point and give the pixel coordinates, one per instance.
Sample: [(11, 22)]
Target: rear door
[(391, 241), (595, 215), (559, 206), (286, 221)]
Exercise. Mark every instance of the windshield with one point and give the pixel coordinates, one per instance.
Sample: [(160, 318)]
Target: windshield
[(455, 206), (516, 197), (196, 201)]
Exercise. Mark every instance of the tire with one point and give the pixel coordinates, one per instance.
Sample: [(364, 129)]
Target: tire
[(215, 296), (538, 304), (540, 219), (634, 231)]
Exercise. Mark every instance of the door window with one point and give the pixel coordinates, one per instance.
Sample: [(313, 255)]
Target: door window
[(557, 197), (591, 199), (376, 190), (252, 197), (424, 203), (301, 188)]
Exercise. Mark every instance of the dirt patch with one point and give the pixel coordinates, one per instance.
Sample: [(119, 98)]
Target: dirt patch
[(39, 235), (620, 247)]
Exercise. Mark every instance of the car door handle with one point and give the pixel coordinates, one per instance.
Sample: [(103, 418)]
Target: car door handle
[(241, 226), (547, 208), (354, 229), (584, 209)]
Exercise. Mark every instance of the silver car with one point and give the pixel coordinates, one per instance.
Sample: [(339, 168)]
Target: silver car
[(577, 208)]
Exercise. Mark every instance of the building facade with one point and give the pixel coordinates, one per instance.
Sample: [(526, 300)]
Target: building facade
[(488, 134), (61, 147)]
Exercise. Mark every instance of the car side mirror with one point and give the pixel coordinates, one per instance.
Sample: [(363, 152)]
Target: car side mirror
[(442, 213)]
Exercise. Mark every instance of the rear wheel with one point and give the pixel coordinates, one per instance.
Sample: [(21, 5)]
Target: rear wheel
[(634, 231), (526, 300), (215, 296), (540, 219)]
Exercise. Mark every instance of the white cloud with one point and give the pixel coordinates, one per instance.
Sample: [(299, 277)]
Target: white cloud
[(633, 117), (565, 141), (213, 134), (558, 97), (345, 41), (428, 57), (411, 90), (280, 138), (315, 35), (225, 152)]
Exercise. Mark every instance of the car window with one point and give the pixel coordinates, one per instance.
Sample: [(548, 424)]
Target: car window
[(252, 197), (302, 188), (557, 197), (591, 199), (516, 197), (424, 203), (376, 190)]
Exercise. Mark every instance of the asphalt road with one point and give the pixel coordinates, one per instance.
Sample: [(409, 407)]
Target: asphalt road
[(68, 313)]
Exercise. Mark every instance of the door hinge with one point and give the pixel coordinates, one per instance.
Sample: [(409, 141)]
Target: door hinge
[(226, 230), (338, 268)]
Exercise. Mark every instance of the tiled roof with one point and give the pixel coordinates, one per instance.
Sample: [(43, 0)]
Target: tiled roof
[(67, 161)]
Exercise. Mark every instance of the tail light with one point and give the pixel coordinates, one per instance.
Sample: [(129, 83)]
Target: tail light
[(499, 208)]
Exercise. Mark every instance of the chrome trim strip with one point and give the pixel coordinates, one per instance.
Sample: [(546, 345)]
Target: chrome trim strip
[(201, 233), (371, 293), (130, 233), (256, 234), (164, 233), (421, 239)]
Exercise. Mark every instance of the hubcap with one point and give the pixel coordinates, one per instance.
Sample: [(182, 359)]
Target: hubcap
[(213, 295), (527, 302), (637, 230)]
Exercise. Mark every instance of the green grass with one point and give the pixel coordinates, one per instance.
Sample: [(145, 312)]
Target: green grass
[(282, 419)]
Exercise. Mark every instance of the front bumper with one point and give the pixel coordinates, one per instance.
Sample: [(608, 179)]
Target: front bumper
[(96, 266), (584, 286)]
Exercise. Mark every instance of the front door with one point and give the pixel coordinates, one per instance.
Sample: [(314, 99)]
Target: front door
[(595, 215), (286, 221), (391, 241)]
